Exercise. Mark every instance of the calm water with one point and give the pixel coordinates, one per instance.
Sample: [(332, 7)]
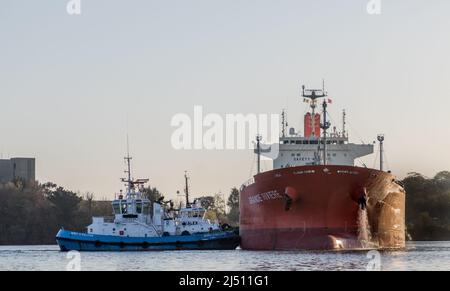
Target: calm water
[(417, 256)]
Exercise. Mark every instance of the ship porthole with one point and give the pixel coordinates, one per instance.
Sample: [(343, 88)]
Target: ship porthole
[(145, 245), (98, 244), (122, 244)]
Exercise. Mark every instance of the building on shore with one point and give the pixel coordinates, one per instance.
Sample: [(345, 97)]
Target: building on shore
[(17, 168)]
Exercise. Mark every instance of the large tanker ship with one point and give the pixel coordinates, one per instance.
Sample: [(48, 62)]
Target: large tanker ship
[(316, 198)]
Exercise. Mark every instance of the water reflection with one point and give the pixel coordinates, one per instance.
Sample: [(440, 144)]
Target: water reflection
[(417, 256)]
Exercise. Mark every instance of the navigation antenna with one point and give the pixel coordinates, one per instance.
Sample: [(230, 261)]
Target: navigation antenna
[(284, 123), (343, 123), (325, 125), (128, 171), (380, 138), (186, 189), (258, 151), (313, 95)]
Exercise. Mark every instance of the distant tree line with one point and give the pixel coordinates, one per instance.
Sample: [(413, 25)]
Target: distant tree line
[(428, 206), (32, 213), (221, 211)]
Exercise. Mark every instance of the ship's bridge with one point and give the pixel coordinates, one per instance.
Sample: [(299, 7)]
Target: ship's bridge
[(131, 208), (300, 151)]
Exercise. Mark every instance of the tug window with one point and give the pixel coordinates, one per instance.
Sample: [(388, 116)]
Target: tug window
[(116, 208), (146, 208), (138, 207), (124, 207)]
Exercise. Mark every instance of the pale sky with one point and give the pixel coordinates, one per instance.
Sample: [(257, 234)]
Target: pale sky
[(68, 83)]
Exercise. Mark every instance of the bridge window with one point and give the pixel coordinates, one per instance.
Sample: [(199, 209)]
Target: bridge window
[(138, 207), (146, 208), (116, 207), (124, 207)]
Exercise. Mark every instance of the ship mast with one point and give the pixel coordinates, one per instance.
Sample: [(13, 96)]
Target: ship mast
[(325, 125), (186, 189), (313, 95), (380, 138), (128, 171), (283, 123), (258, 152), (344, 115)]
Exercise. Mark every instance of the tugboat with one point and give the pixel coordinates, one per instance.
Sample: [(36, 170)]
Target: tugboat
[(137, 227)]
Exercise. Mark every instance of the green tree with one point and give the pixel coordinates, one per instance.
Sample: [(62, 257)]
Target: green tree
[(233, 206), (215, 207), (207, 202), (428, 206), (66, 205), (152, 194)]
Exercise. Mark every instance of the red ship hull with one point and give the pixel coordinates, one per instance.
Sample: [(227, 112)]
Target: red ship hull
[(322, 208)]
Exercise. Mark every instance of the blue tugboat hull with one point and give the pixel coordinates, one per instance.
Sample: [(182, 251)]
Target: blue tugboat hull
[(69, 240)]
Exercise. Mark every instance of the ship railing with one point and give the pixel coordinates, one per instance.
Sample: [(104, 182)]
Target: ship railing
[(248, 183)]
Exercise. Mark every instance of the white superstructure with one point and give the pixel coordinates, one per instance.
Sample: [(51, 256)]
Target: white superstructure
[(316, 146), (133, 216), (299, 151)]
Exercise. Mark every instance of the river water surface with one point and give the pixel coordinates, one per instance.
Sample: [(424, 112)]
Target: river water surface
[(417, 256)]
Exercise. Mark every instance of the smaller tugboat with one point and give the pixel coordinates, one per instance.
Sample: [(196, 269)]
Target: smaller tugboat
[(137, 227)]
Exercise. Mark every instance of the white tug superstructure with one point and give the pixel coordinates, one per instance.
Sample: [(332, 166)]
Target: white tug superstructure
[(133, 217)]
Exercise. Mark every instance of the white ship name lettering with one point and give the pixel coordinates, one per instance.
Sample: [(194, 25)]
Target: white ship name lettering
[(261, 197)]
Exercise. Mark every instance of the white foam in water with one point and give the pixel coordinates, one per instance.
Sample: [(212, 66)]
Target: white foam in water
[(364, 233)]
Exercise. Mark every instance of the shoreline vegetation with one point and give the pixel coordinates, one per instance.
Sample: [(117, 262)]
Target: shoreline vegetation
[(32, 213)]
